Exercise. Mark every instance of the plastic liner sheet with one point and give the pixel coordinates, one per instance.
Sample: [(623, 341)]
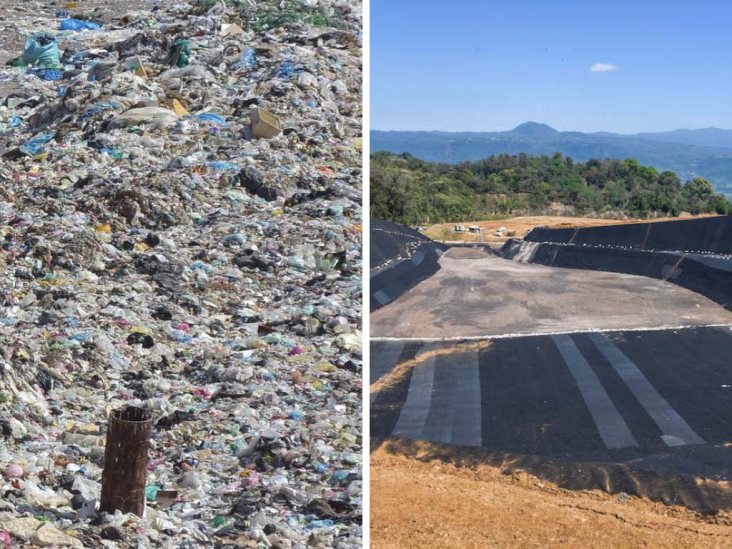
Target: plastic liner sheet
[(544, 234), (709, 234), (652, 264), (630, 236), (708, 276), (390, 283), (710, 279), (625, 396), (390, 241)]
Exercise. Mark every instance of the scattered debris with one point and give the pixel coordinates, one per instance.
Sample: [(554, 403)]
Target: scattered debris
[(157, 251)]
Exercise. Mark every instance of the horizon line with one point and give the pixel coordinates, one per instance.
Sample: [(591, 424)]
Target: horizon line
[(553, 128)]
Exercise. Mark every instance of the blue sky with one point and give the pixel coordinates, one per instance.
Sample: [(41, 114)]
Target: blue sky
[(487, 66)]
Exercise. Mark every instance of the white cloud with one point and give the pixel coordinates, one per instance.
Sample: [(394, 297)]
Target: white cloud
[(604, 67)]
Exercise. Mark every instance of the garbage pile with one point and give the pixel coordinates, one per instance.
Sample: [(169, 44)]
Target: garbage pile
[(180, 217)]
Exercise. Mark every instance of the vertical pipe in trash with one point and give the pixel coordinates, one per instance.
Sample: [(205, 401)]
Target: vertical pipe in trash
[(125, 461)]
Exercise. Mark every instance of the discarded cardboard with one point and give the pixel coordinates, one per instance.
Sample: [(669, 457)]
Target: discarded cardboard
[(265, 124), (231, 29)]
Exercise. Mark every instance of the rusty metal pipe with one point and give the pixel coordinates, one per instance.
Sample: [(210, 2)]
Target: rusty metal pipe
[(125, 461)]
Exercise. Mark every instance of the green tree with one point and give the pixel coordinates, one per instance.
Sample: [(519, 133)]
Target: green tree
[(408, 190)]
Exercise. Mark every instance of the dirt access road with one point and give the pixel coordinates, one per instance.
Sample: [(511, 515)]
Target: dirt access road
[(518, 227)]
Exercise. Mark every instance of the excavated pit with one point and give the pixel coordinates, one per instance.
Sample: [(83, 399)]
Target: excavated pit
[(581, 376)]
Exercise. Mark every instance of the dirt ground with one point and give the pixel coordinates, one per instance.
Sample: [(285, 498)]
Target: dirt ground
[(476, 294), (520, 226), (419, 504)]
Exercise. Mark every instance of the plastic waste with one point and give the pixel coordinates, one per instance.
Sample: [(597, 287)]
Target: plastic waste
[(286, 70), (87, 488), (77, 25), (215, 119), (156, 116), (47, 74), (102, 71), (41, 50), (180, 53), (223, 166), (248, 60), (158, 252), (34, 146), (13, 471), (101, 107)]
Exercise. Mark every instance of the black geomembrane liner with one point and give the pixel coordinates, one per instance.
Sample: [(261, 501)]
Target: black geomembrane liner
[(708, 234), (389, 241), (530, 403), (413, 257)]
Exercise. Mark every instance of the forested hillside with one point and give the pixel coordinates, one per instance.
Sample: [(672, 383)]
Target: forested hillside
[(411, 191), (690, 153)]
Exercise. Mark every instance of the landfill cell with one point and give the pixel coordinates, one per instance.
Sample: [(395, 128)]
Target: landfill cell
[(592, 366), (180, 231)]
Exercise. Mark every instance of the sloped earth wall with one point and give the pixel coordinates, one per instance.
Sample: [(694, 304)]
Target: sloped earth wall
[(708, 276), (400, 259), (705, 235)]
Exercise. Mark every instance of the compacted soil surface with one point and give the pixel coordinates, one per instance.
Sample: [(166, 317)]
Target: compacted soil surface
[(518, 227), (419, 503)]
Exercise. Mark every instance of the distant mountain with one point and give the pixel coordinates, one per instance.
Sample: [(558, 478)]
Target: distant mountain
[(690, 153), (707, 137), (534, 130)]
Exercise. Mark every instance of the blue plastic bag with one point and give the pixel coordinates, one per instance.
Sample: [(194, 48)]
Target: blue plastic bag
[(321, 523), (48, 74), (286, 70), (248, 60), (77, 25), (223, 166), (39, 55), (213, 118), (78, 57), (34, 146), (100, 107)]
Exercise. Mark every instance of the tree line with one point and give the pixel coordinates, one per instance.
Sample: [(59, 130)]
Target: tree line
[(410, 191)]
